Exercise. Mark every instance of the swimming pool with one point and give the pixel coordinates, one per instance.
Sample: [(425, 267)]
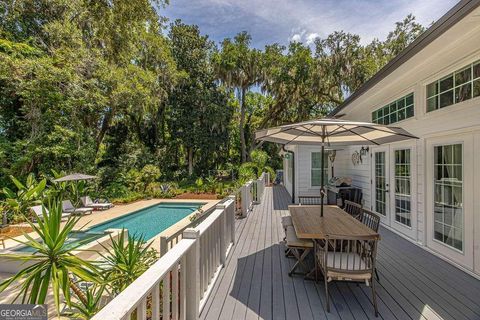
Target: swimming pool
[(75, 239), (150, 221)]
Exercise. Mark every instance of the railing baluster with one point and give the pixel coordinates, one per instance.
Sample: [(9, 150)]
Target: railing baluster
[(175, 292), (183, 286), (156, 302), (142, 310), (166, 297)]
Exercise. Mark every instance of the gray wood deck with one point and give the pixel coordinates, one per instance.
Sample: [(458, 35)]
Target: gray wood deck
[(255, 284)]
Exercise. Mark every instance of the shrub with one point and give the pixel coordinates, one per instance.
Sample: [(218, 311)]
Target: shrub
[(260, 159), (247, 171), (17, 203), (149, 174)]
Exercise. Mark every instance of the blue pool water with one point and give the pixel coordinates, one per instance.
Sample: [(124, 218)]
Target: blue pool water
[(150, 221), (75, 238)]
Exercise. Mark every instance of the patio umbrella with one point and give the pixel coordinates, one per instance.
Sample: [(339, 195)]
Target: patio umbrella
[(75, 177), (333, 132)]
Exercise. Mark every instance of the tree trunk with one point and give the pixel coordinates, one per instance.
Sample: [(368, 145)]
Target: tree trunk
[(78, 292), (103, 130), (190, 161), (242, 125)]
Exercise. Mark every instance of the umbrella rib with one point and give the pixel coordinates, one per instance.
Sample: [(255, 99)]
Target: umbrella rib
[(269, 135), (358, 134), (297, 136), (394, 133)]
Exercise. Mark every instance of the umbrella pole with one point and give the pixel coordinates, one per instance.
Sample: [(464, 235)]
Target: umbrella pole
[(322, 189)]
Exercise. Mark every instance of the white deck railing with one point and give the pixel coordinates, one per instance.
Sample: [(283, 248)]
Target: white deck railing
[(178, 284), (251, 193)]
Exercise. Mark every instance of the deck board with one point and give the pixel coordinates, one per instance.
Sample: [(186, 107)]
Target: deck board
[(254, 284)]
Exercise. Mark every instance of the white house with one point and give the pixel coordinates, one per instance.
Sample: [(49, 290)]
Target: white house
[(427, 190)]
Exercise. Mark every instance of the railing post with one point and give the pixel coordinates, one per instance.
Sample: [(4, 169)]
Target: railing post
[(245, 200), (223, 222), (163, 246), (192, 275), (231, 212)]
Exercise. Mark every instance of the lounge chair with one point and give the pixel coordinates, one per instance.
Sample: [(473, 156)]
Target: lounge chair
[(67, 206), (39, 212), (88, 203)]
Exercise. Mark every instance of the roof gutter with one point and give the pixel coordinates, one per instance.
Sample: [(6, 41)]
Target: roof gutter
[(454, 15)]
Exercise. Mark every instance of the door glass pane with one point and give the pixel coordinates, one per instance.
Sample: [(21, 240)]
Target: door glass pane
[(402, 187), (448, 195), (380, 183)]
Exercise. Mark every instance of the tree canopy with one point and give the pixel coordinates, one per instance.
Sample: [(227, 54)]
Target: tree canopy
[(107, 86)]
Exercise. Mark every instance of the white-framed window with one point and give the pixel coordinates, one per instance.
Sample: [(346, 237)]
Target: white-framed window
[(316, 169), (398, 110), (458, 86)]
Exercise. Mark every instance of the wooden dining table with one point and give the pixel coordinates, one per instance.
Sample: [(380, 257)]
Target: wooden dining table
[(309, 224)]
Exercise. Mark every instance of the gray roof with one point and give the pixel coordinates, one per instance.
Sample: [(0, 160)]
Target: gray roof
[(454, 15)]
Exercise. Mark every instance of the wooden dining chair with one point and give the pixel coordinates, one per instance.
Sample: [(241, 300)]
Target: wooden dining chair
[(372, 221), (348, 258), (353, 209), (299, 249), (286, 222)]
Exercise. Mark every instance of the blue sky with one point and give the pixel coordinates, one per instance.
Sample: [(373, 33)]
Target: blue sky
[(270, 21)]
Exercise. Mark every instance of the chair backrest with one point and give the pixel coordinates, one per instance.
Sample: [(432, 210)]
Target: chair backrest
[(287, 221), (370, 219), (349, 254), (86, 200), (353, 209), (38, 210), (67, 205), (309, 200)]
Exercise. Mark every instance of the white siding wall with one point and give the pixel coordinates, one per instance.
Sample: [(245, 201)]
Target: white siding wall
[(360, 173)]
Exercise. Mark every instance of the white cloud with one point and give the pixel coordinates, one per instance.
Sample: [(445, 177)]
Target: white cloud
[(310, 38), (305, 20)]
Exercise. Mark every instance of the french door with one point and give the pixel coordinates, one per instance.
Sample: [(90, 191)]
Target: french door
[(450, 201), (380, 183), (394, 183)]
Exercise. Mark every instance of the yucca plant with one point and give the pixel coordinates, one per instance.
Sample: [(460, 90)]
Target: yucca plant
[(125, 262), (86, 309), (53, 264)]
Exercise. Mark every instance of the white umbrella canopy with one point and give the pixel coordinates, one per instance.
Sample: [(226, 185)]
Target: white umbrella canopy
[(75, 177), (333, 132)]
